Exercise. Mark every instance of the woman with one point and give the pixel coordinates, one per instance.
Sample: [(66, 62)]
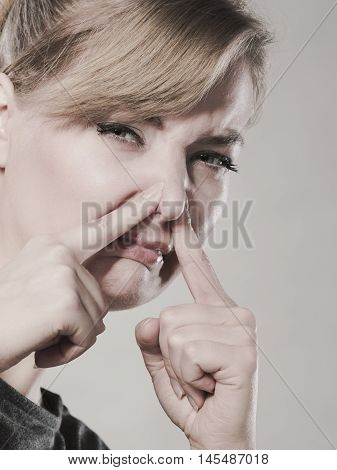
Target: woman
[(120, 123)]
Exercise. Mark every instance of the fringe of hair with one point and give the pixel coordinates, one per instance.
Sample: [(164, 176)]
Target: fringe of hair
[(82, 61)]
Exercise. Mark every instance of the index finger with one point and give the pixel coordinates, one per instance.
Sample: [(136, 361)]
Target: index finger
[(88, 238), (197, 270)]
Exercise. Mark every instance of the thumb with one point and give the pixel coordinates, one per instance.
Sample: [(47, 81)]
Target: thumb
[(147, 337)]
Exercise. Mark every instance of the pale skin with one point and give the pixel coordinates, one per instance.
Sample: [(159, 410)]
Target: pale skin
[(66, 290)]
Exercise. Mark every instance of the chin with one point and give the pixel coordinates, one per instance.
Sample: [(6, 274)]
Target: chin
[(126, 283)]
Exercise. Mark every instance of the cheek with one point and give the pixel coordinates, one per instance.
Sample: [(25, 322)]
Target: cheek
[(204, 215), (50, 177), (208, 203)]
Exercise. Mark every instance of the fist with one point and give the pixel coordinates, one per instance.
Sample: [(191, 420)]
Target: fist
[(49, 303), (202, 358)]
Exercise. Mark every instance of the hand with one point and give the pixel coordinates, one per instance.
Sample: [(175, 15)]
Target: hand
[(204, 352), (49, 303)]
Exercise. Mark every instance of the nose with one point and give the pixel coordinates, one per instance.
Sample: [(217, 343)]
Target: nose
[(156, 233), (169, 166), (173, 199)]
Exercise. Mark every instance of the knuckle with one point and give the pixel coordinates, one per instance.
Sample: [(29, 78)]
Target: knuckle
[(246, 317), (66, 274), (175, 340), (190, 350), (60, 253), (250, 318), (167, 316)]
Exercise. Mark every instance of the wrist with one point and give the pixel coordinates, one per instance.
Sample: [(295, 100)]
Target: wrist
[(237, 444)]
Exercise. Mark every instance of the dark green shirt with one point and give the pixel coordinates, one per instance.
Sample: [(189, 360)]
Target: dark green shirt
[(26, 425)]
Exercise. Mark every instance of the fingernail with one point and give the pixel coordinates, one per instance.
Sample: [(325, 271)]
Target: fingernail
[(184, 219), (154, 191), (160, 258), (193, 403), (188, 217)]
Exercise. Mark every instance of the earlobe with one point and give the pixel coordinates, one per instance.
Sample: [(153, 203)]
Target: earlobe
[(6, 100)]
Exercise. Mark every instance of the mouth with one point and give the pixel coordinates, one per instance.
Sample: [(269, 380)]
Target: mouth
[(150, 258)]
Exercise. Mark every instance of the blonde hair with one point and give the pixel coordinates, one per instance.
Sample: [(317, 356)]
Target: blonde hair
[(83, 61)]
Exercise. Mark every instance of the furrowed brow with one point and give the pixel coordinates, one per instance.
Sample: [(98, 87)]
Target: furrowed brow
[(155, 122), (231, 136)]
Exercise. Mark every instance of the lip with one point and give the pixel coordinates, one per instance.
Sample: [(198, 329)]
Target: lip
[(146, 256)]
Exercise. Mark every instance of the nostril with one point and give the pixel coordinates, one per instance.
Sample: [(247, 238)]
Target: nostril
[(171, 210)]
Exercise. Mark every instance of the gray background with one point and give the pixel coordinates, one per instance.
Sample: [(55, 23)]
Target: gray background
[(288, 168)]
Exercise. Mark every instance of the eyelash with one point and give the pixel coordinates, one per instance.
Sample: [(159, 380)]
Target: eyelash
[(109, 128)]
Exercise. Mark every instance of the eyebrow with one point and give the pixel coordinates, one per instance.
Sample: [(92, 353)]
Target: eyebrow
[(230, 137), (155, 121)]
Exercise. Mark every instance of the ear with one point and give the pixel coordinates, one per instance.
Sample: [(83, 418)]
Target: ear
[(7, 103)]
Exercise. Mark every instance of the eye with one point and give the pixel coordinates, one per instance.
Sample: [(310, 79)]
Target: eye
[(126, 135), (216, 161), (120, 133)]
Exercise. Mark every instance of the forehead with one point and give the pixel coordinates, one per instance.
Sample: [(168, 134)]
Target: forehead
[(229, 105)]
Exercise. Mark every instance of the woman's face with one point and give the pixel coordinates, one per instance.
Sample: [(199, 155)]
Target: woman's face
[(47, 174)]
